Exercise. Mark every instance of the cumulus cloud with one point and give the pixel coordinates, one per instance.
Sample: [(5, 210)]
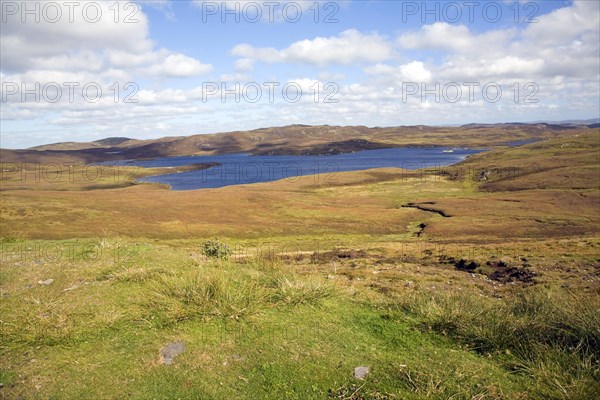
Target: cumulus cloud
[(414, 71), (562, 43), (102, 38), (244, 64), (179, 65), (350, 47), (456, 38)]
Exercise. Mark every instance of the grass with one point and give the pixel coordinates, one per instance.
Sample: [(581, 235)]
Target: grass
[(258, 328), (322, 278), (552, 338), (205, 294)]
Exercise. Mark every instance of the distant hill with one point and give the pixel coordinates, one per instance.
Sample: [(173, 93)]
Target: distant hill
[(108, 142), (293, 140), (572, 121), (112, 141)]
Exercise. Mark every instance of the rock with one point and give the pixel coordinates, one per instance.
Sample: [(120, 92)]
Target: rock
[(361, 372), (46, 282), (170, 352)]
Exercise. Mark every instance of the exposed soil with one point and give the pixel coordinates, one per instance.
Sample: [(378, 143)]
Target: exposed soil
[(421, 227), (337, 254), (419, 206), (498, 271)]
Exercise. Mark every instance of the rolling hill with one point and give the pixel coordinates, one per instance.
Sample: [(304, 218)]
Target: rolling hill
[(292, 140)]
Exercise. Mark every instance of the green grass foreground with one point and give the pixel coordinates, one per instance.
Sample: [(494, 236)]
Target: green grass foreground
[(271, 328)]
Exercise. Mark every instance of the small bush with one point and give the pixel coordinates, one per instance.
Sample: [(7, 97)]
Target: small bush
[(216, 249)]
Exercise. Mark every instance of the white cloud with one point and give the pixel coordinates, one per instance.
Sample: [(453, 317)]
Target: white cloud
[(244, 64), (350, 47), (414, 71), (179, 65), (562, 43), (566, 24), (456, 38), (76, 43)]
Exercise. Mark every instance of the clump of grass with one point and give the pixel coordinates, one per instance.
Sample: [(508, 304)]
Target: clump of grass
[(451, 384), (295, 290), (553, 337), (9, 239), (206, 294), (134, 275), (44, 322), (569, 320)]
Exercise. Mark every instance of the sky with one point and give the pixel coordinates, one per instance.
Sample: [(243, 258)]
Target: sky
[(87, 70)]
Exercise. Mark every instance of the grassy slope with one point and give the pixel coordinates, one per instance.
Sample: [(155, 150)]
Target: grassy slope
[(294, 139), (293, 326)]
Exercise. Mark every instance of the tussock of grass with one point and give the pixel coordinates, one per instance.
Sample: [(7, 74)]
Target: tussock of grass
[(47, 322), (568, 321), (58, 321), (456, 385), (554, 338), (296, 290), (206, 294), (228, 292), (136, 275)]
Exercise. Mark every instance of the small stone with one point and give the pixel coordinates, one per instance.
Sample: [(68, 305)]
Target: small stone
[(46, 282), (361, 372), (170, 352)]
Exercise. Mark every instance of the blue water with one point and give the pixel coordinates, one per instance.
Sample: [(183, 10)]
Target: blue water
[(238, 169)]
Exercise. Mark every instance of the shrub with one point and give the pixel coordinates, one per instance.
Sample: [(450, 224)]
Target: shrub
[(216, 249)]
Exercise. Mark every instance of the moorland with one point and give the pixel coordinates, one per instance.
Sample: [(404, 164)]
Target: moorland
[(480, 280)]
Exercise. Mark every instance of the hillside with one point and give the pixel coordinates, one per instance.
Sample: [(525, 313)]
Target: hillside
[(292, 140)]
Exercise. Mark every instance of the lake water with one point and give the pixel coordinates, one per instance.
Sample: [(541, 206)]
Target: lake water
[(237, 169)]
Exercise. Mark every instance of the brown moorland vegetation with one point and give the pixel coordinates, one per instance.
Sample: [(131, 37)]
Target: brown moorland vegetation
[(475, 281)]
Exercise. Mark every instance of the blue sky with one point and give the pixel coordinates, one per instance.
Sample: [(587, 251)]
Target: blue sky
[(382, 63)]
